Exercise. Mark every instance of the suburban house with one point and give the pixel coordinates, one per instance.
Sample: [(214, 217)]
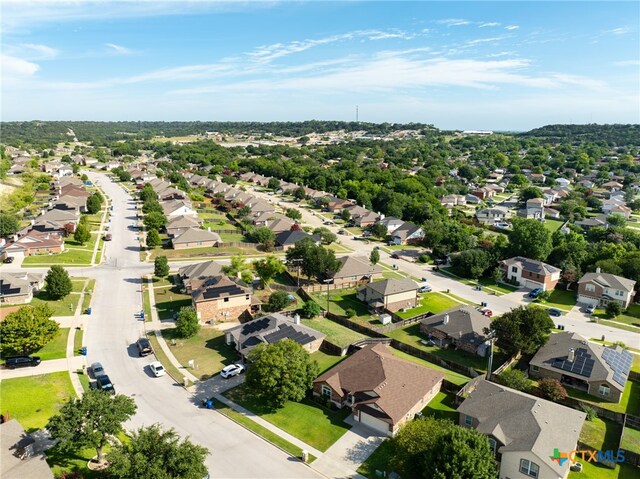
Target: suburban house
[(597, 221), (288, 239), (177, 208), (620, 209), (176, 225), (562, 182), (362, 217), (198, 273), (408, 233), (537, 178), (391, 223), (534, 209), (389, 294), (71, 203), (453, 200), (195, 238), (271, 329), (336, 205), (612, 186), (278, 225), (461, 327), (220, 298), (523, 431), (19, 287), (484, 193), (33, 243), (13, 465), (355, 269), (600, 288), (382, 390), (530, 273), (491, 216), (601, 371)]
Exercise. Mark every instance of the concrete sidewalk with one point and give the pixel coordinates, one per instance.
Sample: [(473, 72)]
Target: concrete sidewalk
[(45, 367)]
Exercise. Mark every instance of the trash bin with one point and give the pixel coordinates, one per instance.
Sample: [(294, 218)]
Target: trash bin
[(89, 311), (209, 403), (83, 350), (142, 315)]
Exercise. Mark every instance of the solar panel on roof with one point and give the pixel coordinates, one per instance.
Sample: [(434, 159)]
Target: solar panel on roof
[(582, 364), (219, 291), (620, 362)]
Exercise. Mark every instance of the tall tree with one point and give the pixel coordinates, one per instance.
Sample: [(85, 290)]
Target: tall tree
[(280, 372), (27, 329), (524, 329), (530, 238), (81, 234), (93, 204), (155, 220), (161, 266), (153, 238), (326, 235), (90, 420), (268, 268), (57, 282), (187, 324), (9, 224), (237, 266), (153, 453), (378, 230)]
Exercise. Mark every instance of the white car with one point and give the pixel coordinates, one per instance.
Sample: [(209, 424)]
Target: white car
[(157, 369), (232, 370)]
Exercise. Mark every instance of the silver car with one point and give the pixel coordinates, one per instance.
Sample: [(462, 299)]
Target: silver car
[(97, 370)]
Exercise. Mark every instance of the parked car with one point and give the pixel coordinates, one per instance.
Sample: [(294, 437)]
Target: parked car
[(328, 223), (104, 384), (97, 370), (157, 369), (395, 256), (22, 361), (554, 312), (8, 259), (425, 289), (535, 292), (232, 370), (440, 261), (487, 312), (144, 347), (590, 309), (108, 237), (342, 232)]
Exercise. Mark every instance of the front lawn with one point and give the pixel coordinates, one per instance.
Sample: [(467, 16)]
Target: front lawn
[(317, 426), (169, 301), (380, 460), (326, 361), (56, 348), (70, 257), (629, 402), (561, 299), (442, 406), (33, 400), (451, 376), (430, 302), (336, 334), (59, 307), (207, 349)]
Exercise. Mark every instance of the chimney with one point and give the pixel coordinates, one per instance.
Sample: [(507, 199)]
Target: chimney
[(572, 355), (209, 229), (598, 269), (445, 320), (296, 319)]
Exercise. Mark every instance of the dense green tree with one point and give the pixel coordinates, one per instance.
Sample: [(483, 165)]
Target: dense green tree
[(293, 213), (524, 329), (153, 238), (273, 184), (529, 193), (90, 420), (155, 453), (325, 234), (155, 220), (472, 263), (515, 379), (161, 266), (81, 234), (237, 265), (345, 215), (314, 261), (27, 330), (280, 372), (613, 309), (9, 224), (378, 230), (244, 212), (374, 257), (278, 300), (93, 204), (187, 324), (530, 238), (311, 309), (268, 267), (57, 282), (262, 235), (299, 193)]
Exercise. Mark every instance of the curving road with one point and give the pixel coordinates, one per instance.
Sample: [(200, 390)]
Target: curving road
[(110, 338)]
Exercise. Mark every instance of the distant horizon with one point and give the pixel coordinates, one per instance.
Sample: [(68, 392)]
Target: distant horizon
[(500, 66)]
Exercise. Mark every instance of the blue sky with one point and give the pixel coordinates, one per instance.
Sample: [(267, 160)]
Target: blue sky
[(481, 65)]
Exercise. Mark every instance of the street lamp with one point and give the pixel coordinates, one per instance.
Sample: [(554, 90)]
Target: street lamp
[(328, 282)]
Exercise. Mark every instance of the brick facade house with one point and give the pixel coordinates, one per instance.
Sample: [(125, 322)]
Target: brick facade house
[(221, 298), (530, 273)]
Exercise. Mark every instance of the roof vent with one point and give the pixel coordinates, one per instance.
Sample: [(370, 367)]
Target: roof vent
[(598, 269), (572, 355), (445, 320)]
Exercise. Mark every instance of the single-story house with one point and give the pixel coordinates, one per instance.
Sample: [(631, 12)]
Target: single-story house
[(562, 182), (221, 298), (389, 294), (461, 327), (16, 288), (382, 390), (408, 233), (177, 208), (33, 243), (195, 238), (288, 239), (176, 225), (612, 186), (355, 269), (19, 459), (599, 288), (271, 329), (601, 371), (523, 431), (530, 273)]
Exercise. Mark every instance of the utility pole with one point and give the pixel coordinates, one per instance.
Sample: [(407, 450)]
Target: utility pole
[(492, 339), (328, 282), (298, 262)]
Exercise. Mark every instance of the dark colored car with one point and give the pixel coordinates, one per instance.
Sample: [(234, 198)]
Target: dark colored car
[(536, 292), (8, 259), (22, 361), (104, 384), (554, 312), (144, 347), (395, 256)]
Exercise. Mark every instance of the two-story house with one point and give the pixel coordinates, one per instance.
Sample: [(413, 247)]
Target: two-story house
[(530, 273), (221, 298), (599, 288), (461, 327), (389, 294), (491, 216)]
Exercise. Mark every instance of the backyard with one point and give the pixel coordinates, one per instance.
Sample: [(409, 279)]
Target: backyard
[(340, 300), (631, 440), (629, 402), (451, 376), (442, 406), (325, 361), (335, 333), (317, 426), (430, 302)]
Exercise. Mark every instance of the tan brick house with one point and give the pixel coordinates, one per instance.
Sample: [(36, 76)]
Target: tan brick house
[(530, 273), (598, 289), (389, 294), (221, 298)]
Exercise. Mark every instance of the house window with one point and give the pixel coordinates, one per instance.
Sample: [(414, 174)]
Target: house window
[(604, 390), (590, 288), (492, 445), (619, 293), (326, 391), (468, 420), (529, 468), (226, 300), (246, 297), (514, 269), (535, 369)]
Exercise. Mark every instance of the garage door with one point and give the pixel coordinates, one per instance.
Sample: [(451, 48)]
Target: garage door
[(587, 300), (532, 284), (374, 423)]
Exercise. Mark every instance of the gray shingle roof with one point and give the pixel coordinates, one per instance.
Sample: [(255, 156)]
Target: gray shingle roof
[(465, 323), (609, 281), (356, 266), (532, 265), (195, 234), (200, 270), (393, 286), (521, 422)]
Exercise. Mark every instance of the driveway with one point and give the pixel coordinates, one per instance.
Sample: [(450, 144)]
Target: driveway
[(343, 459)]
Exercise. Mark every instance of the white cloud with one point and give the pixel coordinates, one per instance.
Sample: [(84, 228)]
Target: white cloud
[(454, 22), (501, 54), (618, 31), (483, 40), (119, 49), (627, 63), (42, 52), (14, 66), (489, 24), (511, 27)]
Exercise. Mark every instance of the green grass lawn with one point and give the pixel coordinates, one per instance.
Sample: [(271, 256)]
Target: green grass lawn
[(601, 434), (411, 335), (629, 402), (341, 300), (430, 302), (77, 284), (319, 427), (71, 257), (593, 470), (636, 363), (561, 299), (207, 349), (336, 333), (169, 301), (553, 225), (77, 341), (392, 275), (202, 253), (451, 376), (631, 440), (326, 361), (631, 316), (34, 399), (488, 284), (56, 348), (442, 406), (238, 237), (61, 307), (378, 461)]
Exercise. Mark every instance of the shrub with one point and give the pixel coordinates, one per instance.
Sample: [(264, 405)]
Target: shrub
[(278, 300), (590, 412), (613, 309), (311, 309), (545, 296), (424, 258), (350, 312), (552, 389), (515, 379), (187, 324)]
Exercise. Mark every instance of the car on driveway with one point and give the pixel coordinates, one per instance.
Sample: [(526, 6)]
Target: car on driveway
[(157, 369), (554, 312), (22, 361), (144, 347), (535, 292), (590, 309), (487, 312), (232, 370), (425, 289), (97, 370), (104, 384), (8, 259)]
